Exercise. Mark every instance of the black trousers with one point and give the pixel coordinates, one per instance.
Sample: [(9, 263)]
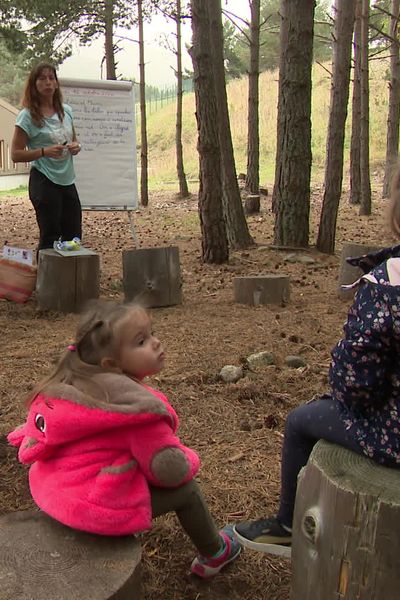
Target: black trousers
[(305, 425), (57, 207)]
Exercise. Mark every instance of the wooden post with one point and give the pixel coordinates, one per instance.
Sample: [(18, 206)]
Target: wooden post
[(262, 289), (346, 531), (65, 283), (347, 273), (43, 560), (152, 276), (252, 204)]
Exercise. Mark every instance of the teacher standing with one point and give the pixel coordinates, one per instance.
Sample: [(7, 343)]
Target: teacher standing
[(45, 136)]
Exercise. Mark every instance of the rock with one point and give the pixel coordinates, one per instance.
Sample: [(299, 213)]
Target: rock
[(260, 359), (231, 373), (295, 362), (300, 258)]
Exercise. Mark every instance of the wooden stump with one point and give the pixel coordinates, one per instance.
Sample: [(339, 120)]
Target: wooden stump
[(347, 273), (262, 289), (252, 204), (152, 276), (65, 283), (41, 559), (346, 531)]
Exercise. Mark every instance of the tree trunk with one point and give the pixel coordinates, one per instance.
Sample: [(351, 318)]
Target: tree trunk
[(291, 195), (144, 188), (253, 134), (183, 187), (108, 42), (392, 142), (236, 225), (342, 38), (365, 206), (355, 173), (213, 231)]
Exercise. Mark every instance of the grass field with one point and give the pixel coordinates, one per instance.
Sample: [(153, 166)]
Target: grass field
[(161, 127)]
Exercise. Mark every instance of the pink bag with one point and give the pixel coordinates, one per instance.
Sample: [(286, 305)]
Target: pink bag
[(17, 281)]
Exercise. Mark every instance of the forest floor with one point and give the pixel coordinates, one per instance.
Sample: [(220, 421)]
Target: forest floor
[(236, 428)]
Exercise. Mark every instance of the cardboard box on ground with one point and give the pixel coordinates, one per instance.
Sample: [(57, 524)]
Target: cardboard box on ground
[(17, 274)]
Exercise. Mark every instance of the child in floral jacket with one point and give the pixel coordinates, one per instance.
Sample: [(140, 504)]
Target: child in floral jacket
[(362, 410)]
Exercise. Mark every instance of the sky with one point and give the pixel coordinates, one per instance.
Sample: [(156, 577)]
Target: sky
[(85, 63)]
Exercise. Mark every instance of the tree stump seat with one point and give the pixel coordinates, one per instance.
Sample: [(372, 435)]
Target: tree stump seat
[(262, 289), (65, 283), (346, 530), (40, 559), (347, 273), (152, 276), (252, 204)]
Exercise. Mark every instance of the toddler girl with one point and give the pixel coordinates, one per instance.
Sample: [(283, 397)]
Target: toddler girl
[(102, 445)]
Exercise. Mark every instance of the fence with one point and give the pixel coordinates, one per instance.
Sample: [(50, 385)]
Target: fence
[(157, 98)]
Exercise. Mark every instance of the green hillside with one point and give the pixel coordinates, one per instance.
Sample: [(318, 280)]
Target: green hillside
[(161, 127)]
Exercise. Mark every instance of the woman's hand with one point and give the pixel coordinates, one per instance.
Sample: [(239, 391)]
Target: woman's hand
[(55, 151), (74, 148)]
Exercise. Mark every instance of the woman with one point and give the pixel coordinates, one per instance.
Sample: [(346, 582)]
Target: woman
[(44, 135)]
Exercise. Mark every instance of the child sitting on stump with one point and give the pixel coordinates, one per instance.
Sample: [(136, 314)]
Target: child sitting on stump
[(362, 410), (102, 445)]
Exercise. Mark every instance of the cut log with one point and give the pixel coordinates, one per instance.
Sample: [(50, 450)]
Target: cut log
[(152, 276), (346, 530), (41, 559), (262, 289), (65, 283), (252, 204), (347, 273)]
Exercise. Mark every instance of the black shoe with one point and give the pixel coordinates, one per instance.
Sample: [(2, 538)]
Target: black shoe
[(265, 535)]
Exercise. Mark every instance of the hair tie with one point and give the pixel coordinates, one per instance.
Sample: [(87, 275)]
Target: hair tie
[(72, 347)]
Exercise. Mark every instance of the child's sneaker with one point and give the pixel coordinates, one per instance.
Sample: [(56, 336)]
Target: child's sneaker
[(206, 567), (265, 535)]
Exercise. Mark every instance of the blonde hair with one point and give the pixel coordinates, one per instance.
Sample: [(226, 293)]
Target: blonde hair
[(97, 337), (394, 209)]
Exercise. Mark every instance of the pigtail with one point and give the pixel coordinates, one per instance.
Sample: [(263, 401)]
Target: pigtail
[(95, 339)]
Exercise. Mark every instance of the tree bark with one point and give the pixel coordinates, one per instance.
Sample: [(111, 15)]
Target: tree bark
[(144, 188), (392, 141), (365, 205), (345, 528), (355, 173), (214, 240), (291, 195), (253, 134), (183, 187), (236, 225), (343, 33), (108, 39)]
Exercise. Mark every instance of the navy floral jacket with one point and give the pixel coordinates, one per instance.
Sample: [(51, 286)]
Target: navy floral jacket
[(365, 369)]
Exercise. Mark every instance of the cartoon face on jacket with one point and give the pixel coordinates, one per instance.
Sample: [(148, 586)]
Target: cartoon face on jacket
[(32, 436), (140, 354)]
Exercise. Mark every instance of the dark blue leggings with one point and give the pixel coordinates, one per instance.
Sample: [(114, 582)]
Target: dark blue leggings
[(305, 425)]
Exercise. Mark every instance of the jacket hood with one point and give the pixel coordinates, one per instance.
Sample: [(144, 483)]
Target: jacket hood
[(366, 262), (62, 413)]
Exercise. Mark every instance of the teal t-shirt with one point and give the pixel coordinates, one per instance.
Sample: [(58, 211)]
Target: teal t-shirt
[(58, 170)]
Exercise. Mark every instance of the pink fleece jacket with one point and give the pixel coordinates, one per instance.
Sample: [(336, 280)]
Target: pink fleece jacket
[(92, 461)]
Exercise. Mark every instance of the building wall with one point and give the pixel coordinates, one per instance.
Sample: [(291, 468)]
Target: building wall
[(8, 115)]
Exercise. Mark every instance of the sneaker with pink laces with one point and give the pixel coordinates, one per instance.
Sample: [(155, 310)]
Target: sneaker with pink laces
[(206, 567)]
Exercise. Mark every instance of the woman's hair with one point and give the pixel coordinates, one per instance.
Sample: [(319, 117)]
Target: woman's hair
[(31, 97), (98, 336)]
